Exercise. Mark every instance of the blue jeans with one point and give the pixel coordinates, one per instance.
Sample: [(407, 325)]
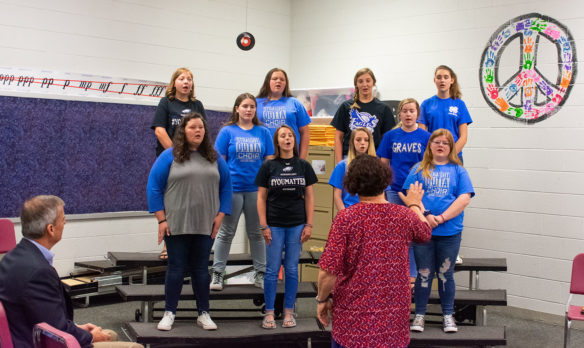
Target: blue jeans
[(437, 256), (246, 202), (187, 252), (288, 237), (393, 197)]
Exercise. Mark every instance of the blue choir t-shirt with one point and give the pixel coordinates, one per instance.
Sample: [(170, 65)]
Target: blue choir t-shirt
[(244, 151), (336, 181), (447, 113), (447, 182), (286, 110), (403, 149)]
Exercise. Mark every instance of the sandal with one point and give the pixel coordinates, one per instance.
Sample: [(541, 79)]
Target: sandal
[(163, 255), (269, 323), (291, 321)]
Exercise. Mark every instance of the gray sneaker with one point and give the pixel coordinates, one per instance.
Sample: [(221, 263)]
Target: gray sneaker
[(418, 323), (216, 281), (259, 280), (449, 324)]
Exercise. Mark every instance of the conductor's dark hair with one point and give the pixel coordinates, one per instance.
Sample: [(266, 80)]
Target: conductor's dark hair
[(367, 176)]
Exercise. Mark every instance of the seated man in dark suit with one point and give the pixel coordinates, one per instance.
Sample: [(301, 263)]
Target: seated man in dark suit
[(30, 288)]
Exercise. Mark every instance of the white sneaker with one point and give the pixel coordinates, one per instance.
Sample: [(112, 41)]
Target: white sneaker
[(204, 320), (166, 322), (418, 323), (458, 260), (449, 324)]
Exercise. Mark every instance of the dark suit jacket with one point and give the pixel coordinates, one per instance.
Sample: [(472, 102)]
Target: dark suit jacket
[(31, 292)]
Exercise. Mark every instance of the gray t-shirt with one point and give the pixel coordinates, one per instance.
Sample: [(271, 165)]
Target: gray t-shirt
[(191, 199)]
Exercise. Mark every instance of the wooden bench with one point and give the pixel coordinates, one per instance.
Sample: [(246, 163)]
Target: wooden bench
[(466, 301), (249, 332), (150, 294)]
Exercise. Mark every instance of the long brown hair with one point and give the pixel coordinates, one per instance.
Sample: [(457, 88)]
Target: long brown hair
[(454, 87), (427, 164), (182, 151), (277, 146), (171, 90), (352, 151), (265, 91), (360, 72), (235, 115)]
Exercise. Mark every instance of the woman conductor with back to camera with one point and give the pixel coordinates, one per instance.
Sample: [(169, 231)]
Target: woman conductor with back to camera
[(365, 261)]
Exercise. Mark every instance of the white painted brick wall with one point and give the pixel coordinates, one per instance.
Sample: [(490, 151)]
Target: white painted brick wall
[(528, 178), (144, 40)]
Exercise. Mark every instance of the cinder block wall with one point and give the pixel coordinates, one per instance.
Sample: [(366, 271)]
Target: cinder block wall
[(528, 177)]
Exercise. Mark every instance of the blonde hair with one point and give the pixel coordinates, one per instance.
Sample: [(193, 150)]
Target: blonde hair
[(352, 151), (454, 87), (359, 73), (427, 164), (171, 90), (401, 106)]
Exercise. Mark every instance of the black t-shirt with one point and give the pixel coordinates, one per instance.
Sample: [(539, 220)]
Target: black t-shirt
[(286, 181), (169, 113), (375, 116)]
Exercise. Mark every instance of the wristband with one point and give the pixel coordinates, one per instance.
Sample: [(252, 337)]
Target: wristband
[(322, 301), (443, 219), (161, 221), (263, 228), (308, 225), (415, 205)]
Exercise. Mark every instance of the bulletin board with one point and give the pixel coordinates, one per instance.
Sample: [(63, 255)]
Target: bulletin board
[(94, 155)]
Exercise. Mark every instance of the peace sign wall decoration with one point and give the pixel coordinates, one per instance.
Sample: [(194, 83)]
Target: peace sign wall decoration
[(528, 95)]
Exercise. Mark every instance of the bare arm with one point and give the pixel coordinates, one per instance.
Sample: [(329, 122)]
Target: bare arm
[(338, 146), (338, 198), (422, 126), (163, 137), (326, 282), (262, 198), (304, 141), (453, 210), (162, 227), (309, 207), (216, 224), (463, 135)]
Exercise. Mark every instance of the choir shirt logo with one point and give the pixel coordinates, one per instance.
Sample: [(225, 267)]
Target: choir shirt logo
[(362, 119), (453, 111)]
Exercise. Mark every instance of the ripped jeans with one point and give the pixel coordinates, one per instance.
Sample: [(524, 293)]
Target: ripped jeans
[(438, 256)]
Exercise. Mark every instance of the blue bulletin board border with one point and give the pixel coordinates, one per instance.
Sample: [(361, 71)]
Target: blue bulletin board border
[(96, 156)]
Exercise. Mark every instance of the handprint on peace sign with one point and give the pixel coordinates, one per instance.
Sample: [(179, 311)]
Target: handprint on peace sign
[(528, 95)]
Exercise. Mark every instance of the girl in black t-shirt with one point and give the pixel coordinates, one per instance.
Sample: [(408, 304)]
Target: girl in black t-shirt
[(363, 111), (285, 209), (179, 101)]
